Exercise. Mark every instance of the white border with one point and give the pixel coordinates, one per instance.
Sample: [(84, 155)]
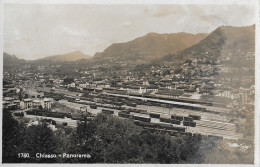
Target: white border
[(131, 2), (220, 2)]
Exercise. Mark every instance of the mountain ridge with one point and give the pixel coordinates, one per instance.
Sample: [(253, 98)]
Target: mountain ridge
[(71, 56), (225, 42), (150, 46)]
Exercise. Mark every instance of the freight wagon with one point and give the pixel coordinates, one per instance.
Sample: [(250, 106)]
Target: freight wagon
[(190, 119), (180, 118), (110, 112), (164, 131), (145, 124), (131, 104), (126, 111), (142, 118), (123, 115), (154, 115), (195, 117), (93, 106), (174, 121), (19, 114), (216, 137), (159, 126), (170, 127), (167, 120), (187, 123)]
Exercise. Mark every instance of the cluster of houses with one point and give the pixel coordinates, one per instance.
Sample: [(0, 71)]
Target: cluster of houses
[(12, 103)]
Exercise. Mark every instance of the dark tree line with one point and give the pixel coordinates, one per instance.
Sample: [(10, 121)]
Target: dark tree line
[(107, 139)]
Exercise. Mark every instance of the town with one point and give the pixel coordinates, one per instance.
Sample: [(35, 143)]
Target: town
[(160, 98)]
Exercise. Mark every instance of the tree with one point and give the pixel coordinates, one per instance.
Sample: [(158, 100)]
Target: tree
[(20, 96), (10, 137), (26, 96), (83, 141), (39, 139), (109, 139), (166, 72)]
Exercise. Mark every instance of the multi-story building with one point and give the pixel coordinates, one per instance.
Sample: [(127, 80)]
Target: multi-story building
[(36, 103), (46, 104), (243, 95), (27, 103)]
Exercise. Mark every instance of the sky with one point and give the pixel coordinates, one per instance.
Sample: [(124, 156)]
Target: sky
[(33, 31)]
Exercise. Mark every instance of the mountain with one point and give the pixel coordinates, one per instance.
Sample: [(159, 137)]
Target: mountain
[(149, 47), (73, 56), (231, 45), (9, 60)]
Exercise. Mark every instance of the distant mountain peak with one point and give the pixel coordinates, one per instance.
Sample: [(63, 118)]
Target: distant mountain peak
[(11, 59), (76, 52), (152, 33), (72, 56)]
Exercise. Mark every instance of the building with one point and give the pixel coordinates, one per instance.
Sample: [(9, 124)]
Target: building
[(170, 93), (136, 89), (36, 103), (27, 103), (152, 88), (46, 104), (243, 95), (17, 103), (225, 93), (72, 85)]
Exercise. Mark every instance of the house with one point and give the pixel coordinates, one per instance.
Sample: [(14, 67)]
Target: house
[(225, 93), (243, 95), (168, 86), (72, 85), (46, 104), (191, 90), (27, 103), (36, 103), (17, 102), (152, 88), (82, 85), (136, 89), (145, 83)]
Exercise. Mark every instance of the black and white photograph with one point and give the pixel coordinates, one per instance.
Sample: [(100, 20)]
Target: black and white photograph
[(129, 82)]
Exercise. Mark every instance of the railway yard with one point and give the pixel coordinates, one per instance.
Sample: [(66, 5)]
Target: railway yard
[(166, 116)]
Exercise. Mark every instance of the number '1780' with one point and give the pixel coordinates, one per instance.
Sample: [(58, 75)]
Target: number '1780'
[(23, 155)]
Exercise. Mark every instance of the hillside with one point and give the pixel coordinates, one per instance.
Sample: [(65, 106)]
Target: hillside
[(73, 56), (230, 45), (149, 47), (9, 60)]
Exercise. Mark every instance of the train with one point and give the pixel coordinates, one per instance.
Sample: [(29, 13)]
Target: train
[(48, 114)]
